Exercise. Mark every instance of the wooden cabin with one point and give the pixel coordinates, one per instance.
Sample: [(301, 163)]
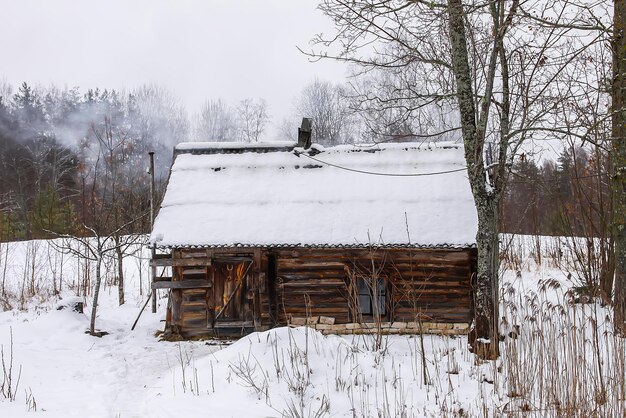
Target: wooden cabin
[(347, 239)]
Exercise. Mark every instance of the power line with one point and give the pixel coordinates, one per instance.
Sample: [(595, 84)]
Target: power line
[(354, 170)]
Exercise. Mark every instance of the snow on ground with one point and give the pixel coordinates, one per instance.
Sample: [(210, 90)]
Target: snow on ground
[(299, 372), (564, 362), (68, 372)]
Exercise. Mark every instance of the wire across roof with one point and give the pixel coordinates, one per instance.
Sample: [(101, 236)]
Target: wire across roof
[(279, 196)]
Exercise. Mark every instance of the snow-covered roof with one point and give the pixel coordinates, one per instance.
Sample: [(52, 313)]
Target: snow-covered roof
[(275, 195), (213, 147)]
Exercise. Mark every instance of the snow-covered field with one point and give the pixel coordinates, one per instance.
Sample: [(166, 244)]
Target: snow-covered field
[(564, 362)]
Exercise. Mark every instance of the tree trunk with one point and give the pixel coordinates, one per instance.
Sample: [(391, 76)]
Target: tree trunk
[(618, 185), (484, 336), (120, 270), (96, 293)]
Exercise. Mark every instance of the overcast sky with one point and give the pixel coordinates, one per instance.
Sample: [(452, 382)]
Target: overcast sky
[(198, 49)]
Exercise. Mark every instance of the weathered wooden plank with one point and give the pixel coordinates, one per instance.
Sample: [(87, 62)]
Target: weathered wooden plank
[(176, 300), (418, 273), (195, 323), (195, 291), (183, 284), (193, 271), (316, 293), (454, 292), (193, 254), (417, 291), (449, 305), (234, 324), (311, 274), (431, 279), (379, 255), (181, 262), (460, 313), (334, 284), (161, 262), (232, 259), (194, 310), (299, 263), (158, 256), (428, 309), (461, 273), (406, 264), (410, 306), (195, 316), (335, 308), (194, 296)]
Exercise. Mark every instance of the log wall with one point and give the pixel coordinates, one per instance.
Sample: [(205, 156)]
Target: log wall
[(421, 284), (427, 285)]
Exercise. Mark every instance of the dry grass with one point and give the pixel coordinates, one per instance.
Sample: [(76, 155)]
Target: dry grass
[(560, 358)]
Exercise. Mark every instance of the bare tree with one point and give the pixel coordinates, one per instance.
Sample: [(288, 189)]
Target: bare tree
[(118, 199), (328, 105), (216, 122), (386, 114), (93, 248), (497, 65), (252, 118), (108, 213), (618, 183), (6, 91)]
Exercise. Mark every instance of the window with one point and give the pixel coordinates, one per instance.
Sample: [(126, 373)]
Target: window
[(372, 296)]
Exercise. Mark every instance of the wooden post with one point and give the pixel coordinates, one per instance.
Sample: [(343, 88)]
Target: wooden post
[(257, 273), (153, 250)]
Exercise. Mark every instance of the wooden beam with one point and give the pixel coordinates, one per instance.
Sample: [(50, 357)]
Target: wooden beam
[(162, 255), (183, 284), (233, 324), (231, 259), (180, 262)]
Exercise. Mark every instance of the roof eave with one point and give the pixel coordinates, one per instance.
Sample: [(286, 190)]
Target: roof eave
[(318, 246)]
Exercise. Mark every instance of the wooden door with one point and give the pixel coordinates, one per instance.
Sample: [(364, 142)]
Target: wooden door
[(229, 289)]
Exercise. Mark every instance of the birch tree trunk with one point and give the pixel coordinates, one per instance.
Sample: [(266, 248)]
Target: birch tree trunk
[(618, 185), (120, 270), (96, 293)]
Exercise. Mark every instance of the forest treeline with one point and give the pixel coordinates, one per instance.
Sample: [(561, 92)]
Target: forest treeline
[(567, 197), (77, 163), (74, 163)]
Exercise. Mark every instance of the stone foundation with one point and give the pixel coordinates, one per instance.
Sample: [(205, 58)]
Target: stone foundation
[(327, 326)]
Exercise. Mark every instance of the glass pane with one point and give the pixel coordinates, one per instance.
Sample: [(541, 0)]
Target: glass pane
[(366, 304), (363, 287)]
